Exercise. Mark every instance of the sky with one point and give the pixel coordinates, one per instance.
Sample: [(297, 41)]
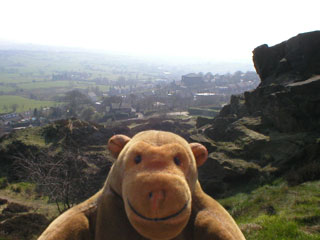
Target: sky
[(221, 30)]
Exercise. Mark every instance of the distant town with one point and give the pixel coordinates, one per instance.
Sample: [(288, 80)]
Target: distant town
[(195, 93), (38, 86)]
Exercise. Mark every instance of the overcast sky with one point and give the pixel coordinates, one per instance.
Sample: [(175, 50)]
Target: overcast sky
[(215, 29)]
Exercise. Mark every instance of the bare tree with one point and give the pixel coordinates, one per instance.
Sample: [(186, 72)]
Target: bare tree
[(61, 178)]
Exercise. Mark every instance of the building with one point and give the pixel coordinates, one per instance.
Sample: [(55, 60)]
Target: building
[(192, 79), (10, 118), (120, 108)]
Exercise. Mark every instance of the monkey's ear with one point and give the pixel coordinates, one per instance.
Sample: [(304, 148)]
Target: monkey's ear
[(200, 153), (116, 143)]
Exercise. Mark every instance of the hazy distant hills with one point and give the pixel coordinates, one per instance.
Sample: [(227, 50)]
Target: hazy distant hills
[(183, 64), (8, 45)]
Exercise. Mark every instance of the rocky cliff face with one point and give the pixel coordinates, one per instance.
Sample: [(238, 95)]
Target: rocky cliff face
[(296, 59), (274, 129)]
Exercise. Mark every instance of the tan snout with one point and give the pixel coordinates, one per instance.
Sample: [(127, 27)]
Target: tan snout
[(158, 200)]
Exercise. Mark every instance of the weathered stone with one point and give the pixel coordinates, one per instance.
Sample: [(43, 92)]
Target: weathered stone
[(200, 138), (274, 129), (202, 121), (228, 173), (288, 108), (236, 107), (297, 59)]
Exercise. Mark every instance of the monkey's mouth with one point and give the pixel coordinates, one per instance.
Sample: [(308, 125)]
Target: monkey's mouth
[(158, 219)]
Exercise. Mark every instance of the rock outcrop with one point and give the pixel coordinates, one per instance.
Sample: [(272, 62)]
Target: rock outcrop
[(296, 59), (274, 129)]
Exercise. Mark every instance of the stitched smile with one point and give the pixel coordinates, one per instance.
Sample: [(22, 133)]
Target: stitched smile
[(158, 219)]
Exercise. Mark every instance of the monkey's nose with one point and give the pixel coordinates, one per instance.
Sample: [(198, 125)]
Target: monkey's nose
[(156, 198)]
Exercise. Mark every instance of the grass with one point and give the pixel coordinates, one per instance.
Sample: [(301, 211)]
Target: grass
[(278, 211), (45, 84), (61, 84), (28, 66), (280, 228), (6, 89), (24, 104), (28, 136), (25, 193)]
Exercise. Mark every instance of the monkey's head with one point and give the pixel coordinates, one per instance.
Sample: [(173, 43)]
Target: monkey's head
[(155, 174)]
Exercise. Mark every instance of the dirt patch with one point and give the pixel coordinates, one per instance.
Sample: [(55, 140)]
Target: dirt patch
[(24, 226), (15, 208), (19, 221)]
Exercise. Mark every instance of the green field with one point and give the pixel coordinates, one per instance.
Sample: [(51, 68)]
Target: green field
[(47, 84), (6, 89), (56, 84), (48, 74), (24, 104), (20, 67)]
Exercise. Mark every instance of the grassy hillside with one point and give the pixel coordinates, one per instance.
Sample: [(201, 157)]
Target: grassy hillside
[(278, 211), (24, 212), (29, 137)]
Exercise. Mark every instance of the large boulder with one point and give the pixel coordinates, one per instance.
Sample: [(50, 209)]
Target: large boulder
[(295, 59), (288, 97)]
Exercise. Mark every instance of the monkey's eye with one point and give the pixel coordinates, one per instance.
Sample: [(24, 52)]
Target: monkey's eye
[(137, 159), (177, 161)]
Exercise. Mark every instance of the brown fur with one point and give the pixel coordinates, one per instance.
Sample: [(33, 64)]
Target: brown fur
[(151, 192)]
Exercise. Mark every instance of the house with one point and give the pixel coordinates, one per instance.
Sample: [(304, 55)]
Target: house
[(120, 111), (26, 114), (192, 79), (121, 108), (10, 118)]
